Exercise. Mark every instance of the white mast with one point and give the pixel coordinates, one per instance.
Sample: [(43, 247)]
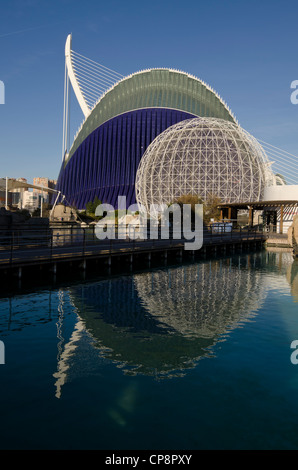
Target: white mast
[(70, 77)]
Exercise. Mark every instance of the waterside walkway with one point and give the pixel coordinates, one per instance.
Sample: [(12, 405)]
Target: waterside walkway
[(50, 251)]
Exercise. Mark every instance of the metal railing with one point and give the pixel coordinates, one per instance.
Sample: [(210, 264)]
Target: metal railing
[(28, 245)]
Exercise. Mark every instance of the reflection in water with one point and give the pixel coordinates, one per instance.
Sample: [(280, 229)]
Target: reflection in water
[(161, 323), (65, 353), (281, 261), (158, 323), (201, 301), (292, 278), (16, 315)]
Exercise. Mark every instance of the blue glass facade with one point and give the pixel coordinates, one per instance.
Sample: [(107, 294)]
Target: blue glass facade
[(106, 162)]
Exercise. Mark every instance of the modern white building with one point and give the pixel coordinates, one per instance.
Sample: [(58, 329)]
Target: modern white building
[(281, 215), (31, 200)]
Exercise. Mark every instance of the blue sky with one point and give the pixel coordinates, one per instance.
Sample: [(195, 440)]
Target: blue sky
[(247, 51)]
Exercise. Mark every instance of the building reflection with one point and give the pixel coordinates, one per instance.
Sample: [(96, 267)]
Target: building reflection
[(292, 278), (159, 323), (162, 322)]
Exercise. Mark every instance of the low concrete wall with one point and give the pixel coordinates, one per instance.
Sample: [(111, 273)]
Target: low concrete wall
[(276, 239), (293, 235)]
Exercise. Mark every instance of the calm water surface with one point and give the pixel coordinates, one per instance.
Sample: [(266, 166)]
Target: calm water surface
[(195, 356)]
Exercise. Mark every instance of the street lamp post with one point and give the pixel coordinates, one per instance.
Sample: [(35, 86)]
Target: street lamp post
[(6, 193)]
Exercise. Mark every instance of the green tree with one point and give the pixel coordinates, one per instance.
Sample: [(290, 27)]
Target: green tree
[(188, 199), (210, 205), (211, 209), (91, 206)]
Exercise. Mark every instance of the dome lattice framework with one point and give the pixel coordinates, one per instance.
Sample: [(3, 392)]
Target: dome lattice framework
[(203, 157)]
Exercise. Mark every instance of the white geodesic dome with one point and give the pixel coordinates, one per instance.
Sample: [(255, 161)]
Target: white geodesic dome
[(203, 157)]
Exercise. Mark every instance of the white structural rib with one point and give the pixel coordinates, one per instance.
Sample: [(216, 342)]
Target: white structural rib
[(72, 77), (89, 79)]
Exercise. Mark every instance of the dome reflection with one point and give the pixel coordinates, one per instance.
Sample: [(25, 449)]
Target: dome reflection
[(162, 322)]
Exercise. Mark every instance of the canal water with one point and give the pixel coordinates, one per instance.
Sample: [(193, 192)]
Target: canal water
[(195, 356)]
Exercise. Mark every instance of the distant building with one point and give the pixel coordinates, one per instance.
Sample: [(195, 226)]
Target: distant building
[(3, 198), (46, 183), (24, 197), (17, 194), (31, 200), (18, 190), (14, 196)]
